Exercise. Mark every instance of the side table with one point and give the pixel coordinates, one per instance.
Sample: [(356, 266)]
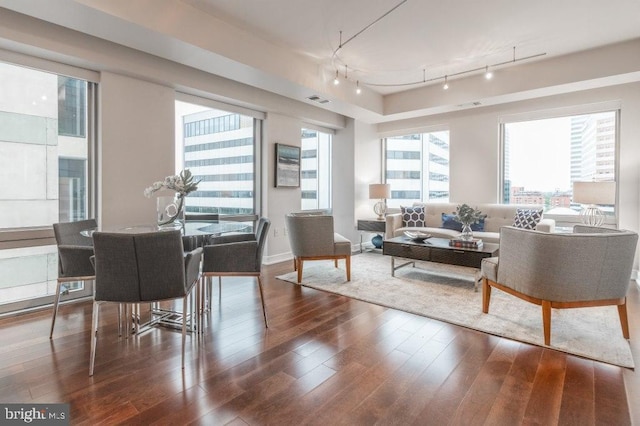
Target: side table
[(372, 225)]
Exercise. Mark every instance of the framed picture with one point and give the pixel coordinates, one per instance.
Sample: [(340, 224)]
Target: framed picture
[(287, 166)]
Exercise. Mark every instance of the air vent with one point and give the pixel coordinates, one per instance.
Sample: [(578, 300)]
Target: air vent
[(318, 99), (470, 104)]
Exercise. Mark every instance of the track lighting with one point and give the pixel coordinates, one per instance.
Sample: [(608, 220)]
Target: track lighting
[(446, 83), (358, 89), (336, 81), (488, 74)]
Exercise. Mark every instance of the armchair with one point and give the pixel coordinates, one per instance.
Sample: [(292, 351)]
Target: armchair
[(74, 254), (142, 268), (237, 255), (591, 267), (312, 237)]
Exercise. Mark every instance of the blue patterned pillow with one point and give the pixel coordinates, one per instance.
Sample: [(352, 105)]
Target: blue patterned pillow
[(527, 218), (449, 222), (412, 216)]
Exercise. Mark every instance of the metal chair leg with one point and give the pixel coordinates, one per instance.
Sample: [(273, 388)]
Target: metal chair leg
[(184, 326), (264, 311), (56, 301), (94, 338)]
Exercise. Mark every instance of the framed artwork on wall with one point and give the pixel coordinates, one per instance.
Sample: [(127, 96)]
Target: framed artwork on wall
[(287, 166)]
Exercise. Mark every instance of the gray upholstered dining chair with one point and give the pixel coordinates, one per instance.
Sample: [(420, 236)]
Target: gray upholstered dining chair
[(586, 268), (312, 237), (236, 255), (142, 268), (74, 254)]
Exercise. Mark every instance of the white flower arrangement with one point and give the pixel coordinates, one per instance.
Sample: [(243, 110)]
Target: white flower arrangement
[(182, 183)]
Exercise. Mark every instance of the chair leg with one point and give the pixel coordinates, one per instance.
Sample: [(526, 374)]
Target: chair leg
[(56, 301), (348, 266), (486, 295), (264, 311), (300, 261), (295, 263), (94, 335), (335, 262), (546, 321), (624, 320), (184, 325)]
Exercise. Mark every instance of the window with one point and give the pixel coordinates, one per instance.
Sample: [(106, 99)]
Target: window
[(417, 167), (221, 150), (49, 175), (542, 158), (315, 170)]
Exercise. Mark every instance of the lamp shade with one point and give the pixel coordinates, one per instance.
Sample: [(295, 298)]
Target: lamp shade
[(594, 192), (379, 190)]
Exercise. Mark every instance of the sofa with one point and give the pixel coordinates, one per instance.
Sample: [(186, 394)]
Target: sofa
[(497, 216)]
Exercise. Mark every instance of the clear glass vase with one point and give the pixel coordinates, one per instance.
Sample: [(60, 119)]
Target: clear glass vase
[(170, 210), (467, 232)]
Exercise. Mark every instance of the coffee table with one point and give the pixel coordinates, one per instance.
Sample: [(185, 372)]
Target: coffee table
[(437, 250)]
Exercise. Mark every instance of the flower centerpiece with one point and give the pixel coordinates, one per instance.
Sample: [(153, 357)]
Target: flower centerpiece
[(183, 184), (467, 216)]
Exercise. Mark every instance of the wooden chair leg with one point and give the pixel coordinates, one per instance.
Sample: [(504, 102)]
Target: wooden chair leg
[(546, 321), (300, 261), (486, 295), (624, 320), (348, 267), (335, 262)]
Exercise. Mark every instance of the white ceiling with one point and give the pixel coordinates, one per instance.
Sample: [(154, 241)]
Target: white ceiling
[(440, 37), (287, 46)]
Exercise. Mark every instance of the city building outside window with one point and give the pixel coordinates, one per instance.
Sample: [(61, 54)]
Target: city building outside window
[(315, 169), (542, 159), (44, 158), (417, 168)]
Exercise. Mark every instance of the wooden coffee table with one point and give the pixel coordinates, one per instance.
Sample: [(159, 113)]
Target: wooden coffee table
[(437, 250)]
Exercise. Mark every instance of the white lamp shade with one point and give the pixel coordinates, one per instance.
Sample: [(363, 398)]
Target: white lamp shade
[(379, 190), (594, 192)]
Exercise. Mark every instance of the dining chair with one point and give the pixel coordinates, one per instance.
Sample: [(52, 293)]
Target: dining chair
[(236, 255), (142, 268), (74, 254)]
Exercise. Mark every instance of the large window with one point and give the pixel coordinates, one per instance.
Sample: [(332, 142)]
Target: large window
[(417, 168), (221, 148), (543, 158), (315, 170), (45, 166)]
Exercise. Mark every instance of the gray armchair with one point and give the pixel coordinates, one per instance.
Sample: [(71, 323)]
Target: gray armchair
[(74, 254), (590, 267), (237, 255), (142, 268), (312, 237)]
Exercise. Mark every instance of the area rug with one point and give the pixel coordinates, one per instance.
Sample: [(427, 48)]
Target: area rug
[(445, 293)]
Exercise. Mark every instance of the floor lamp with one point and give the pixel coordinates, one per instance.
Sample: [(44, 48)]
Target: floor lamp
[(594, 194)]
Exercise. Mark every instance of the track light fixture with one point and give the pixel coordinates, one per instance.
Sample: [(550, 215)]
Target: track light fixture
[(336, 81), (358, 89), (446, 83), (488, 74)]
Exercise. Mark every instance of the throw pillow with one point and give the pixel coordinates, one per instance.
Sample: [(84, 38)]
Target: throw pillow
[(449, 222), (412, 216), (527, 218)]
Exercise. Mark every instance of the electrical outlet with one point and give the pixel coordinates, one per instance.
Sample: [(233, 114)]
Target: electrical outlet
[(286, 231), (276, 233)]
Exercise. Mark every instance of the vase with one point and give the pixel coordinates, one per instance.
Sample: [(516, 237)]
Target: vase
[(467, 232), (170, 210)]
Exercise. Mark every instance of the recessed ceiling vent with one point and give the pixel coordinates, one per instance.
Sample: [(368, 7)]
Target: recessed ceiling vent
[(318, 99)]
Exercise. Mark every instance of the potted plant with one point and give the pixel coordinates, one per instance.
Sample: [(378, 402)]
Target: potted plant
[(467, 216)]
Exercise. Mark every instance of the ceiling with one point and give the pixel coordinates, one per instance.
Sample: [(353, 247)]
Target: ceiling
[(439, 37), (290, 47)]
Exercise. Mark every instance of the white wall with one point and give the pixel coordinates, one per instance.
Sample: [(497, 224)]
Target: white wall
[(136, 147)]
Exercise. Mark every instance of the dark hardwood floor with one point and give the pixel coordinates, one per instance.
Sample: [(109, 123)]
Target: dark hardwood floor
[(324, 360)]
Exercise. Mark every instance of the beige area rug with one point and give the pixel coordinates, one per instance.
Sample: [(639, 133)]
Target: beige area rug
[(445, 292)]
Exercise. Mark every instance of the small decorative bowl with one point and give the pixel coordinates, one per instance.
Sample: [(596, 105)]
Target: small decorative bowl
[(417, 235)]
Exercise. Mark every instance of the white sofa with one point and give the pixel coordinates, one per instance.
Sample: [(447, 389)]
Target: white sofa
[(498, 215)]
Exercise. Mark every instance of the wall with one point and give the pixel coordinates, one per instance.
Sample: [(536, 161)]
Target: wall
[(136, 147)]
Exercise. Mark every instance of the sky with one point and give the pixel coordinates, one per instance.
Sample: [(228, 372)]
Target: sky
[(540, 154)]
